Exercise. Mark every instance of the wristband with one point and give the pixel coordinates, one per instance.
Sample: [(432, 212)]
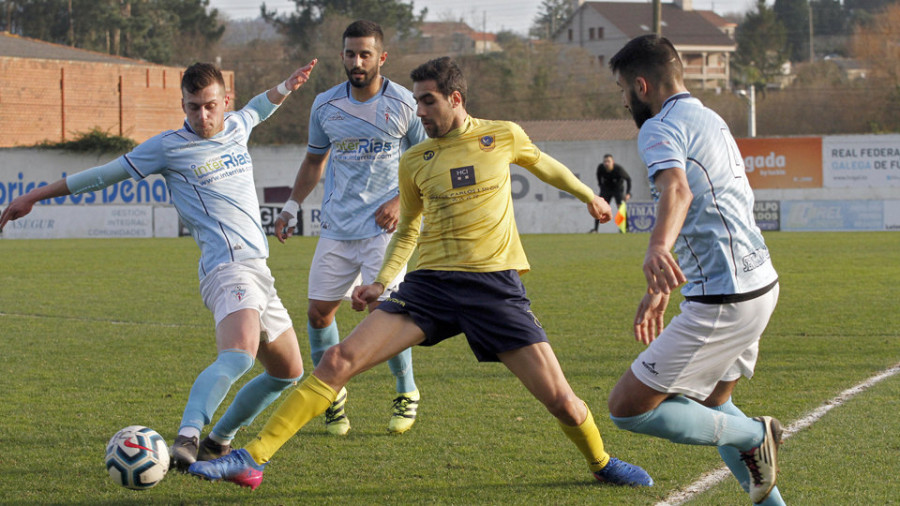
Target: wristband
[(291, 207), (283, 89)]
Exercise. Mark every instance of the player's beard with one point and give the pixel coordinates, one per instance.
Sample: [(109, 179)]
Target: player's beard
[(365, 81), (639, 111)]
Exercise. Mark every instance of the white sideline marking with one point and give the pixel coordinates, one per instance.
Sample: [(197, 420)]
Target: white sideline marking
[(710, 479)]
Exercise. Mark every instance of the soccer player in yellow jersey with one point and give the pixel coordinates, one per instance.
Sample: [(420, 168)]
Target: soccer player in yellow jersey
[(466, 280)]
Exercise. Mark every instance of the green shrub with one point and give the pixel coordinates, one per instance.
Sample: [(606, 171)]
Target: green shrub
[(94, 141)]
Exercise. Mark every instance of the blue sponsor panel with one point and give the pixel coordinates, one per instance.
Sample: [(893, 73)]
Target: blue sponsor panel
[(832, 215), (641, 216), (152, 190), (767, 214)]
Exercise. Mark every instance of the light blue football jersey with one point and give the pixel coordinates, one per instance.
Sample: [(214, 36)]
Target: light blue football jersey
[(365, 141), (720, 249), (211, 184)]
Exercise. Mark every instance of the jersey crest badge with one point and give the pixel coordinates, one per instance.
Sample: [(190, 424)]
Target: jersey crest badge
[(239, 292), (428, 155), (486, 143), (462, 176)]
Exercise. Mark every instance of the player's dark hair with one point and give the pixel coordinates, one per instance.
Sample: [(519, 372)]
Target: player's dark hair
[(607, 155), (445, 73), (652, 57), (199, 76), (364, 28)]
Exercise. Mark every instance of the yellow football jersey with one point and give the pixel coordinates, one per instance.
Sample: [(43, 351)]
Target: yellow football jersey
[(456, 201)]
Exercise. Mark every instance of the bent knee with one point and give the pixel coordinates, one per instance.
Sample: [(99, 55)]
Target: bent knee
[(321, 314), (335, 364), (319, 320), (615, 403), (569, 409)]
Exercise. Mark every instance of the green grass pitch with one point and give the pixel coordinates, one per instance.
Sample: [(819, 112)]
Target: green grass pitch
[(101, 334)]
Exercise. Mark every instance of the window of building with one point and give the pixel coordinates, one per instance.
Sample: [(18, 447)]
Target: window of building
[(599, 32), (591, 33), (570, 35)]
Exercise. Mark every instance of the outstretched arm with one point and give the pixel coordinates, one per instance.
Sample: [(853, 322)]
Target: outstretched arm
[(23, 204), (551, 171), (88, 180), (277, 94)]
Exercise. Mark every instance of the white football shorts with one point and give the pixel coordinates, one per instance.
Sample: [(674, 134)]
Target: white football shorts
[(340, 266), (706, 344), (247, 284)]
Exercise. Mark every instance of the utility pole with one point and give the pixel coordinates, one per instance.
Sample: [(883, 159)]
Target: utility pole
[(657, 17), (750, 95), (70, 34), (812, 53), (752, 119)]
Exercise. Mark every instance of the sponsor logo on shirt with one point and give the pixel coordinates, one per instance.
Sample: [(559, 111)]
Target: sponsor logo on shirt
[(335, 117), (486, 143), (428, 155), (227, 161), (462, 176), (362, 146)]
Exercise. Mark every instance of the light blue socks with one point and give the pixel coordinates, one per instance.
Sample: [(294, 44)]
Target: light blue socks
[(684, 421), (401, 365), (249, 402), (402, 369), (732, 458), (321, 339), (212, 385)]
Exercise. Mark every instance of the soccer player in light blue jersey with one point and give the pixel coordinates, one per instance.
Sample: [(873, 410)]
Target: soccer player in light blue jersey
[(210, 177), (357, 132), (679, 388)]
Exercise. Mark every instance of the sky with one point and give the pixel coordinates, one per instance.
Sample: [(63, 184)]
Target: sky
[(482, 15)]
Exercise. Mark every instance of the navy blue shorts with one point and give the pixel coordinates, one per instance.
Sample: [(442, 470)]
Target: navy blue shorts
[(490, 308)]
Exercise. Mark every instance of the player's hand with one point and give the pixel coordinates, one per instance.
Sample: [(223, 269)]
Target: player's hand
[(300, 76), (649, 320), (599, 209), (284, 226), (661, 271), (363, 295), (15, 210), (388, 214)]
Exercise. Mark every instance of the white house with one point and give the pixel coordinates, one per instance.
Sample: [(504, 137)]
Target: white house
[(704, 40)]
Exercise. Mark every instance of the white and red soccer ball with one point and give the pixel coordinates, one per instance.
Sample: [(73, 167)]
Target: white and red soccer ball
[(137, 457)]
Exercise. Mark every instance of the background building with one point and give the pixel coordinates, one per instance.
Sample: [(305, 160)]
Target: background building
[(704, 40), (54, 93)]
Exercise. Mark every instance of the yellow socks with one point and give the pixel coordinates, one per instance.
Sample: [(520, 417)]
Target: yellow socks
[(587, 438), (306, 402)]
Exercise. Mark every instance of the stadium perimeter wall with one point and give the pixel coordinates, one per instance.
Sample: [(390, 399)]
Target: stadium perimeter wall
[(815, 184), (125, 97)]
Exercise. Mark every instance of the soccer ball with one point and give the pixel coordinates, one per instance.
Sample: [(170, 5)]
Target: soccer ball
[(137, 457)]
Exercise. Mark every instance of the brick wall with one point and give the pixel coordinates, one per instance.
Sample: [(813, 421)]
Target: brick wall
[(54, 100)]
